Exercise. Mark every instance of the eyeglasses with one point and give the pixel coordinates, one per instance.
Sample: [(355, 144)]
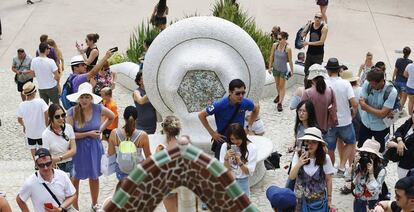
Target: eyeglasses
[(302, 111), (240, 93), (44, 165), (318, 17), (63, 115)]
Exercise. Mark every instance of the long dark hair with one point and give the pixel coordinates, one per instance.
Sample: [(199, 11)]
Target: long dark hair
[(320, 154), (161, 7), (238, 132), (320, 84), (52, 110), (310, 109), (129, 126)]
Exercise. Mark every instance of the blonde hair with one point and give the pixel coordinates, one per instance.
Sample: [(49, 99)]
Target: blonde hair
[(78, 116), (107, 91), (171, 126)]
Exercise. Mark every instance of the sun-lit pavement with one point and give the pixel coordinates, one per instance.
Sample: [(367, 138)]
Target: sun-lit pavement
[(356, 26)]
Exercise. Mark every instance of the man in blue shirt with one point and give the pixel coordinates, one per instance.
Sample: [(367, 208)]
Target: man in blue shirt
[(374, 108), (228, 110)]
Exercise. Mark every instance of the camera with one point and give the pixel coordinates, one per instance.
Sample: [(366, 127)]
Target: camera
[(365, 158)]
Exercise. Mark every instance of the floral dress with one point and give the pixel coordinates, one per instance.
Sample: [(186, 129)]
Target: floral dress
[(103, 81)]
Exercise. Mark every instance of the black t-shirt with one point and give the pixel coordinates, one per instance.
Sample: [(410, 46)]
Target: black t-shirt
[(400, 64), (395, 207)]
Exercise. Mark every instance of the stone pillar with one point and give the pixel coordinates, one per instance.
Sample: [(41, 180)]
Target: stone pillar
[(186, 200)]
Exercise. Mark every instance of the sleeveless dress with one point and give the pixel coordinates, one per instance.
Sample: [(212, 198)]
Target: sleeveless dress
[(280, 62), (146, 115), (310, 189), (89, 151)]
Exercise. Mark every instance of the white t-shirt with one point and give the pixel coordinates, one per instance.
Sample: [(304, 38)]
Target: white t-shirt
[(56, 144), (44, 68), (343, 92), (33, 114), (251, 161), (33, 188), (311, 168), (410, 70)]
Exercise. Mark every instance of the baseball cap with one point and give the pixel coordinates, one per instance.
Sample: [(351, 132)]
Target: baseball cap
[(281, 198), (42, 152)]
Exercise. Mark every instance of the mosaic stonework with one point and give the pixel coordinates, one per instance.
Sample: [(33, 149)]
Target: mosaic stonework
[(176, 166), (198, 89)]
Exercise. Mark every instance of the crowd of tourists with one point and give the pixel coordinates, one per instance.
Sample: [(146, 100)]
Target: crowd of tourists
[(338, 115)]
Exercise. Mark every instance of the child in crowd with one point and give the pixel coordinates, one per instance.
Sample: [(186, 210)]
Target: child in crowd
[(258, 127), (108, 102)]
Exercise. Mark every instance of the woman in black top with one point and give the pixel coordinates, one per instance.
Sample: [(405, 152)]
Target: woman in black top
[(404, 140), (91, 53), (159, 16)]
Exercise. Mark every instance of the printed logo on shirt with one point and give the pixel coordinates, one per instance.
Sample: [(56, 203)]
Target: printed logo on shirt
[(210, 108)]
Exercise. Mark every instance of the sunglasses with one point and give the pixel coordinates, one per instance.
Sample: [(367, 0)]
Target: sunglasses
[(318, 17), (63, 115), (240, 93), (279, 39), (44, 165)]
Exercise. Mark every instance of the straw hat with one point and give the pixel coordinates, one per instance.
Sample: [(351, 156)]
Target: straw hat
[(349, 76), (84, 88), (317, 70), (371, 146), (314, 134), (76, 60), (29, 88)]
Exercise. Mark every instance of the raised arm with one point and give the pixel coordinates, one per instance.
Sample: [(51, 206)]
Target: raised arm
[(99, 66)]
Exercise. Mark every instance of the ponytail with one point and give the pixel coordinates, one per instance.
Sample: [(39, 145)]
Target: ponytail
[(129, 126)]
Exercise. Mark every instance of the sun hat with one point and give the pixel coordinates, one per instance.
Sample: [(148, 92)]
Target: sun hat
[(42, 152), (281, 198), (76, 60), (317, 70), (371, 146), (84, 88), (333, 64), (314, 134), (29, 88), (349, 76)]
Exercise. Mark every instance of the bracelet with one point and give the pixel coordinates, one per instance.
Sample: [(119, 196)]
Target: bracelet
[(60, 158)]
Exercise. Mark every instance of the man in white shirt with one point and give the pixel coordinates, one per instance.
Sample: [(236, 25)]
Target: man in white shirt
[(345, 99), (47, 75), (32, 115), (56, 180)]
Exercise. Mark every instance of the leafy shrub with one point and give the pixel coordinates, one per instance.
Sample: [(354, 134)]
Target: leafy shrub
[(117, 58), (136, 41)]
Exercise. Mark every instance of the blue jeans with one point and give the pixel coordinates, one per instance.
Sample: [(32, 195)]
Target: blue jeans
[(244, 184), (361, 205), (346, 133)]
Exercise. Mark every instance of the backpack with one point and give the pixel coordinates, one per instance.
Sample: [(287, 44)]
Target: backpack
[(301, 35), (127, 155), (67, 89), (387, 92)]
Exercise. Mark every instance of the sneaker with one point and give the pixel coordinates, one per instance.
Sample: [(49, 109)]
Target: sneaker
[(279, 107), (340, 173), (97, 207), (276, 100)]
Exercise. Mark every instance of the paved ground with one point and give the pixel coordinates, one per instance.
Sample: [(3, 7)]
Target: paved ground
[(378, 26)]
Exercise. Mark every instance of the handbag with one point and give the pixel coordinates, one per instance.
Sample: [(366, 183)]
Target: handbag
[(68, 209), (332, 117), (316, 206), (108, 164), (273, 161), (216, 146)]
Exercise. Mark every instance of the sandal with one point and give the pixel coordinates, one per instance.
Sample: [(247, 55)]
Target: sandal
[(279, 107), (345, 190), (276, 100)]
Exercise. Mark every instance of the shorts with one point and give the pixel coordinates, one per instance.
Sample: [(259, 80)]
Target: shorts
[(33, 143), (409, 91), (281, 74), (50, 94), (346, 133), (107, 133), (120, 175), (244, 185), (20, 84), (401, 86), (322, 2), (67, 167)]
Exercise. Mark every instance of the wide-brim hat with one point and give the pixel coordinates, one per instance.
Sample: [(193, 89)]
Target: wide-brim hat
[(317, 70), (333, 64), (281, 198), (76, 60), (84, 88), (371, 146), (29, 88), (314, 134), (349, 76)]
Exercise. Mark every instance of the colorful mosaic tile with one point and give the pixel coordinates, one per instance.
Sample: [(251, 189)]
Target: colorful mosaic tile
[(200, 88), (185, 166)]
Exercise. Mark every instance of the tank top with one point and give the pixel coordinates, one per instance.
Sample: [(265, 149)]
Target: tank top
[(88, 52), (146, 115), (315, 35), (280, 59), (134, 138)]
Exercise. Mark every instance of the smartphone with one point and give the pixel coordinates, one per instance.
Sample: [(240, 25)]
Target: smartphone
[(49, 205), (115, 49), (235, 148)]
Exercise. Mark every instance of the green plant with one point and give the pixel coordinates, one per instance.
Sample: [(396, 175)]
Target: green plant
[(117, 58), (136, 41), (226, 9)]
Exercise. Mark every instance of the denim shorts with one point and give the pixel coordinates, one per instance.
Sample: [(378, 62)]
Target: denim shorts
[(346, 133), (244, 185), (66, 167), (401, 86), (409, 91)]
